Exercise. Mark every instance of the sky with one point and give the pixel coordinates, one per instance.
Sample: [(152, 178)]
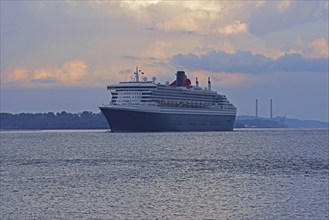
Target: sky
[(60, 55)]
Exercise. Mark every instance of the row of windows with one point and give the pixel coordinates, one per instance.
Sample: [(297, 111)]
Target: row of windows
[(133, 91), (173, 97), (179, 96), (176, 92), (184, 93), (183, 97), (164, 98), (131, 88)]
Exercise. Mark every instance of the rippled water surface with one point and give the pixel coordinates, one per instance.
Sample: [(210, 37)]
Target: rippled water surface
[(245, 174)]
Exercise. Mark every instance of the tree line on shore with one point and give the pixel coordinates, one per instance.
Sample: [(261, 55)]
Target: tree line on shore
[(51, 120)]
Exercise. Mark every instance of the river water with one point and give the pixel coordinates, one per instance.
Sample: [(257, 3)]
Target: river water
[(94, 174)]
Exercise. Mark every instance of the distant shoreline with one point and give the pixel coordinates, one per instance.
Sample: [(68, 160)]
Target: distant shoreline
[(88, 120)]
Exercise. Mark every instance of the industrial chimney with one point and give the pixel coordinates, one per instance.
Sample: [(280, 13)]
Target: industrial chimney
[(271, 109), (256, 108)]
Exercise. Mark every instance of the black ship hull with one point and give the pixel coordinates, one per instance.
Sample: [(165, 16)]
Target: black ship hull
[(134, 120)]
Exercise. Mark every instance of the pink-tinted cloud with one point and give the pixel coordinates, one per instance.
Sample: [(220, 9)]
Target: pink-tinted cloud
[(283, 5), (71, 73), (193, 21), (319, 47), (237, 27), (17, 74)]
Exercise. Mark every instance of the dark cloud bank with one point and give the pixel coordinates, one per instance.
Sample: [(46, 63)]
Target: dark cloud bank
[(246, 62)]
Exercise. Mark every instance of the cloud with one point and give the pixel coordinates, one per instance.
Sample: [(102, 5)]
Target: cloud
[(138, 5), (223, 79), (163, 48), (237, 27), (298, 63), (283, 5), (192, 21), (71, 73), (316, 48), (121, 29), (299, 42), (319, 47), (276, 16), (18, 74), (199, 17), (246, 62), (42, 75), (220, 61), (158, 49)]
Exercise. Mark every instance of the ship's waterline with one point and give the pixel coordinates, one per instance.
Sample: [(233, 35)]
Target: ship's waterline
[(179, 106)]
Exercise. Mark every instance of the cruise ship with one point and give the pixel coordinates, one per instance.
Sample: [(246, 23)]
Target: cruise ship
[(148, 106)]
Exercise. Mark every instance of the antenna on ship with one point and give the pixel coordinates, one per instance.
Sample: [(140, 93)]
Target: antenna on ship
[(197, 82), (209, 84), (136, 74)]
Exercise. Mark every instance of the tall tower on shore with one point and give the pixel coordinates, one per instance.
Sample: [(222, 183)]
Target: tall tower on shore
[(256, 108), (271, 109)]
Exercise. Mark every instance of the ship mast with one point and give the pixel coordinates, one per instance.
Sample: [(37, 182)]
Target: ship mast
[(136, 74), (209, 84)]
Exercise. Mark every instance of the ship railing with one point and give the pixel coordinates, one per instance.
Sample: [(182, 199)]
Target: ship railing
[(126, 102)]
